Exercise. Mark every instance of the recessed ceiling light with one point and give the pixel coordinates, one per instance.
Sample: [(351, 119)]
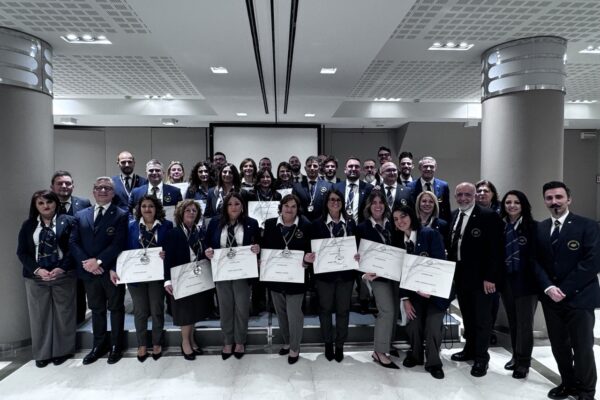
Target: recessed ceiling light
[(67, 121), (219, 70), (241, 114), (169, 121), (582, 101), (72, 38), (328, 70), (392, 99), (87, 37), (309, 115), (450, 45), (590, 50)]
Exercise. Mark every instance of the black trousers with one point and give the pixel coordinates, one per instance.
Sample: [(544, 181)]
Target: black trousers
[(476, 310), (102, 295), (571, 333), (520, 311), (427, 325), (334, 296), (81, 305)]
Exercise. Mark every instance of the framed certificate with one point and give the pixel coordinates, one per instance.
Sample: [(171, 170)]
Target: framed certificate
[(427, 275), (383, 260), (140, 265), (334, 254), (234, 263), (191, 278), (263, 210), (278, 265)]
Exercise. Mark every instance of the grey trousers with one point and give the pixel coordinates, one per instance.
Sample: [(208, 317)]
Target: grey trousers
[(291, 319), (427, 325), (234, 307), (52, 316), (148, 300), (335, 297), (388, 308)]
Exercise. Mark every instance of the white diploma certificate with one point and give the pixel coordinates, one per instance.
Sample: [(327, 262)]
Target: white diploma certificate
[(263, 210), (170, 213), (383, 260), (278, 265), (427, 275), (202, 204), (191, 278), (183, 187), (334, 254), (285, 192), (229, 264), (140, 265)]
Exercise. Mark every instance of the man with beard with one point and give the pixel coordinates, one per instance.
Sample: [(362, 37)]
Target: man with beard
[(297, 175), (354, 190), (406, 166), (370, 172), (126, 181), (330, 166), (265, 163), (312, 192)]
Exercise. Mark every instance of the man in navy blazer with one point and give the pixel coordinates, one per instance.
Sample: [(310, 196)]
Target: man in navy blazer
[(62, 184), (427, 166), (312, 192), (169, 195), (126, 181), (567, 267), (360, 188), (99, 234), (396, 194)]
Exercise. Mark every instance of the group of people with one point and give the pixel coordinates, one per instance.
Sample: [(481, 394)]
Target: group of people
[(498, 248)]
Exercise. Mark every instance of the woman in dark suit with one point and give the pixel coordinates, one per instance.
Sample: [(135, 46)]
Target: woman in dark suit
[(334, 288), (377, 228), (289, 231), (487, 195), (43, 249), (425, 312), (233, 228), (248, 172), (229, 182), (520, 291), (284, 176), (149, 229), (200, 182), (264, 189), (184, 244), (428, 212)]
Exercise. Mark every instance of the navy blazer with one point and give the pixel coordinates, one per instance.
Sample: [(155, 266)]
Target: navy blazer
[(177, 249), (523, 282), (403, 195), (77, 204), (133, 234), (104, 243), (574, 267), (121, 198), (319, 230), (364, 190), (211, 202), (170, 197), (301, 190), (251, 232), (26, 245), (442, 192)]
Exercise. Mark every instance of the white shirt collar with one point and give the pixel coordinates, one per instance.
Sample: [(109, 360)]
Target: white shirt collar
[(53, 223), (280, 220), (159, 186), (561, 219), (104, 206), (424, 182), (385, 221), (329, 219), (412, 237), (156, 222)]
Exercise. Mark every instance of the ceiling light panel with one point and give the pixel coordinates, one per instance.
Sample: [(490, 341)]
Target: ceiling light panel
[(328, 70), (219, 70)]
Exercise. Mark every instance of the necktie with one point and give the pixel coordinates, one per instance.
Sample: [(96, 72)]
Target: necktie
[(455, 237), (554, 235), (428, 187), (350, 205), (47, 248), (410, 247), (63, 208), (512, 249), (231, 242), (147, 236), (384, 233), (155, 191), (390, 198), (296, 179), (195, 242), (406, 183), (337, 230), (99, 217), (312, 186), (128, 183)]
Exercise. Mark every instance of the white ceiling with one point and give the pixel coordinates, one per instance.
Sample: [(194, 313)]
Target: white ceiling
[(378, 46)]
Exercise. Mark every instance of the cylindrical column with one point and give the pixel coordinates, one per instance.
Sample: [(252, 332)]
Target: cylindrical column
[(27, 159), (522, 137)]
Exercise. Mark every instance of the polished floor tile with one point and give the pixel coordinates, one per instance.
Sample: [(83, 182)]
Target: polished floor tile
[(543, 354)]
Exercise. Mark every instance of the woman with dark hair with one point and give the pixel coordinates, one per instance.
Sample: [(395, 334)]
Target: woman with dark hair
[(425, 312), (43, 249), (284, 176), (487, 195), (184, 244), (248, 171), (334, 288), (519, 293), (149, 229), (230, 229), (377, 228), (289, 231), (229, 182), (264, 188), (199, 182)]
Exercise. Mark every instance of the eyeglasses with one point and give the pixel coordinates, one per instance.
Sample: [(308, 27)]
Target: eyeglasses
[(103, 188), (154, 171)]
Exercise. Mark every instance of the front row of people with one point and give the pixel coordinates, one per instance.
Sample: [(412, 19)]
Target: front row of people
[(558, 257)]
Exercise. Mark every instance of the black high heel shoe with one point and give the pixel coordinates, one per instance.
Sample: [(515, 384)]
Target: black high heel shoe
[(391, 364), (189, 357)]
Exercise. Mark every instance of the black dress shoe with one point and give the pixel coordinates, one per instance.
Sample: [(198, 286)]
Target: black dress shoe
[(94, 355), (329, 354), (115, 355), (198, 351), (461, 356), (41, 363), (390, 365), (60, 360), (479, 369), (510, 366), (143, 358), (283, 351), (225, 356), (238, 354), (520, 372), (293, 360), (562, 392), (156, 356), (410, 362), (339, 353), (189, 357), (436, 371)]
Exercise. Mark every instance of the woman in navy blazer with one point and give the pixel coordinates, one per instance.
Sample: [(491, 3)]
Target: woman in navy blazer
[(425, 312), (428, 213), (334, 288), (233, 228), (43, 249), (148, 229), (229, 182)]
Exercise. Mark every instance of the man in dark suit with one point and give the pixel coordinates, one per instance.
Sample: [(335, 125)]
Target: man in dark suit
[(567, 267), (62, 184), (330, 166), (98, 236), (427, 166), (354, 190), (312, 192), (476, 244), (126, 181), (370, 171), (167, 194), (297, 175), (405, 162), (395, 194)]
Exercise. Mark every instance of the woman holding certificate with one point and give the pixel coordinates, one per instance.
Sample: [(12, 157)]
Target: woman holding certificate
[(290, 231), (334, 288), (229, 182), (149, 229), (50, 283), (185, 244), (425, 313), (377, 228), (231, 229)]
